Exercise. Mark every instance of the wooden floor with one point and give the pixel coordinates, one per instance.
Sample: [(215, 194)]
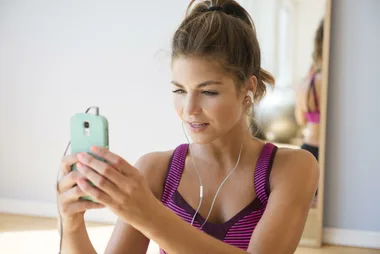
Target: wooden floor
[(22, 234)]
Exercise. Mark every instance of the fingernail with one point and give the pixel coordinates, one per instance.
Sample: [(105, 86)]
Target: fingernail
[(80, 155), (79, 165), (94, 148)]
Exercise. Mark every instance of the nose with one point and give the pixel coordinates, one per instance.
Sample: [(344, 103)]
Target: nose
[(191, 106)]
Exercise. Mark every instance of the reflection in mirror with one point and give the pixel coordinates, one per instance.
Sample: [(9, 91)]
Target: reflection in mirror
[(291, 35)]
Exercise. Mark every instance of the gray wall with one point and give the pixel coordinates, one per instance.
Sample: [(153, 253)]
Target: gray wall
[(352, 192)]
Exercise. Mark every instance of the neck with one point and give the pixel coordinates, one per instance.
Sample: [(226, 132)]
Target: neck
[(222, 154)]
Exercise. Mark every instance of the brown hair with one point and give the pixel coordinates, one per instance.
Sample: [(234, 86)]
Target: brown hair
[(318, 43), (225, 35)]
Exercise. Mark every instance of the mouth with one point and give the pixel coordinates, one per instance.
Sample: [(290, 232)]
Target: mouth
[(198, 125), (195, 126)]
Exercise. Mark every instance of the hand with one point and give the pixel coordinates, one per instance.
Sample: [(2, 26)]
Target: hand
[(71, 208), (118, 185)]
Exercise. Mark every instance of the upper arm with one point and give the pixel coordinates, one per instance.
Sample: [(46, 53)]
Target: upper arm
[(300, 116), (300, 104), (125, 238), (294, 181)]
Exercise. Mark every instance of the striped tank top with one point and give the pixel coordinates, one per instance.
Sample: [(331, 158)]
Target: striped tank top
[(238, 230)]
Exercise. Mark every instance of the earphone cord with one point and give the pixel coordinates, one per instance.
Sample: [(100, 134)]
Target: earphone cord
[(201, 184), (199, 177), (58, 178)]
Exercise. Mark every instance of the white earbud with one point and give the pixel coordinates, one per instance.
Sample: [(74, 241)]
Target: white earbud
[(250, 94)]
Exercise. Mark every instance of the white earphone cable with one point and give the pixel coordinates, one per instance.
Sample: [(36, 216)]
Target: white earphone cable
[(199, 177), (57, 182), (201, 184)]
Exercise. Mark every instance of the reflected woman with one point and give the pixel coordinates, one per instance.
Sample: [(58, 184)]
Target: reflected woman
[(307, 109)]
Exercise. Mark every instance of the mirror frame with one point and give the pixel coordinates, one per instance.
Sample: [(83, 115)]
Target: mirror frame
[(317, 213)]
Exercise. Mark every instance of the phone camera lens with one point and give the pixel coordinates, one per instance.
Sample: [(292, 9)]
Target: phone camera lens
[(86, 124)]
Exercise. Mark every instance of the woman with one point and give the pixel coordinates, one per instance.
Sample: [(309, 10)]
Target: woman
[(264, 202), (308, 98)]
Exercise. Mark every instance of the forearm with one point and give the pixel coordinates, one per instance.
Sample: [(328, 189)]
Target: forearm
[(77, 242), (174, 235)]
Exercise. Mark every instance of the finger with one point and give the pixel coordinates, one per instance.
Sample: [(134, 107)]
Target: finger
[(97, 194), (113, 159), (68, 181), (71, 195), (100, 181), (80, 206), (102, 168), (67, 162)]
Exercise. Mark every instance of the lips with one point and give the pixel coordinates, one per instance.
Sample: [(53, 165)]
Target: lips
[(198, 125)]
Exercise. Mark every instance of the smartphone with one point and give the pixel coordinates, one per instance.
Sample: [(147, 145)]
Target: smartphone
[(88, 130)]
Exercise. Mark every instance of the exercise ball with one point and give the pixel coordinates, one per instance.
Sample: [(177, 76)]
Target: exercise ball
[(275, 116)]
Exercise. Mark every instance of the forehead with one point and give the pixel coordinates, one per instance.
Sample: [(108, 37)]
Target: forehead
[(195, 64), (195, 70)]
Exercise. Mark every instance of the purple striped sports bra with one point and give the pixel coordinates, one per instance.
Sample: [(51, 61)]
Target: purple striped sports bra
[(238, 230)]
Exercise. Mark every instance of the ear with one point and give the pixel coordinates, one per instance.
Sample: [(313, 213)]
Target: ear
[(252, 84)]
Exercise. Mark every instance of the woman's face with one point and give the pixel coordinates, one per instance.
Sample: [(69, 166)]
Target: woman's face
[(205, 98)]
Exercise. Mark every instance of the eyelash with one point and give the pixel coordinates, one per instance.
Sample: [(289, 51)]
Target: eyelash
[(208, 93)]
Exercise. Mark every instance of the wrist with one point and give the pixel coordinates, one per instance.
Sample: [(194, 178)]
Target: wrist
[(72, 226), (150, 223)]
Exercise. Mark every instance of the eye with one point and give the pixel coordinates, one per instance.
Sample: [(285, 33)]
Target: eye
[(179, 91), (210, 93)]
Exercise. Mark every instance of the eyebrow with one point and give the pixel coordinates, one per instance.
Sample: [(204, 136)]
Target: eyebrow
[(203, 84)]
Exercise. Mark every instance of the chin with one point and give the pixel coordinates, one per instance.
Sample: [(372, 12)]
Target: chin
[(201, 141), (203, 138)]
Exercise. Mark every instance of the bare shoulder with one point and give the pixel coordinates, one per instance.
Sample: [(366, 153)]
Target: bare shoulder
[(154, 166), (297, 168), (153, 162)]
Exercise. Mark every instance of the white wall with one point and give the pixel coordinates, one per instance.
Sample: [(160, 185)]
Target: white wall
[(308, 14), (58, 58), (304, 18), (263, 14)]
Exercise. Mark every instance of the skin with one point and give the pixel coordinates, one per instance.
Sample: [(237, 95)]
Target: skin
[(134, 192)]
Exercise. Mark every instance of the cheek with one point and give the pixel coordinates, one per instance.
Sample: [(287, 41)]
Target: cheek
[(178, 104), (223, 110)]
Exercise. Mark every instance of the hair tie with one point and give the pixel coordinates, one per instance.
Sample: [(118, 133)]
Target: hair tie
[(214, 8)]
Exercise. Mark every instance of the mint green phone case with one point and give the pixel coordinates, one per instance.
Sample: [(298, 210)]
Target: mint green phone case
[(96, 134)]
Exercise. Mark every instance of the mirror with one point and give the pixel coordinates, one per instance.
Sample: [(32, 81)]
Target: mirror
[(294, 39)]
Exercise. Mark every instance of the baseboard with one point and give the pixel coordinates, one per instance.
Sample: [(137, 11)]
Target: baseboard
[(352, 238), (334, 236), (307, 242), (49, 210)]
